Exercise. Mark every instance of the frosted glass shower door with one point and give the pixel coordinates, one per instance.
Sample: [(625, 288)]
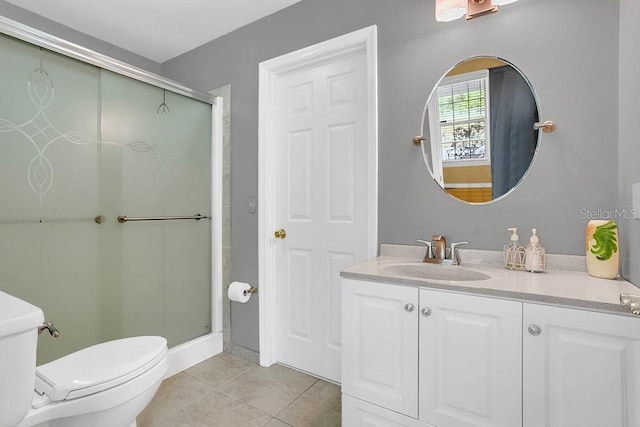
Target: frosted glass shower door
[(49, 191), (156, 157), (78, 144)]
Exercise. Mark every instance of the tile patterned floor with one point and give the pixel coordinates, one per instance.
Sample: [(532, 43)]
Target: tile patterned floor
[(228, 391)]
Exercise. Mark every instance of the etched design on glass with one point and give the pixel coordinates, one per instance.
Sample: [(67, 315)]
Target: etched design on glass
[(162, 110), (141, 146), (41, 132), (162, 113), (161, 118)]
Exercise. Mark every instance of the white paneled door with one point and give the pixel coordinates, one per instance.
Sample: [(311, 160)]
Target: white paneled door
[(321, 203)]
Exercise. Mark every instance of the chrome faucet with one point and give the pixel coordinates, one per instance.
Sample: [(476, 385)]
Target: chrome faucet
[(438, 253)]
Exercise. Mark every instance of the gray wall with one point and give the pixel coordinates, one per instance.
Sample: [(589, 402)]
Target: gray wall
[(569, 51), (48, 26), (629, 142)]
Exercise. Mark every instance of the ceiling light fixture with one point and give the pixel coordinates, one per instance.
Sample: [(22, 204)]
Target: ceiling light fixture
[(448, 10)]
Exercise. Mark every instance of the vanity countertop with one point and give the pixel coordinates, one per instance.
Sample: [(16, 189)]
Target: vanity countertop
[(559, 287)]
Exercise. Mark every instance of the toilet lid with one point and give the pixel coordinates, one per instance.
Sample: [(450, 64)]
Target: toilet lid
[(99, 367)]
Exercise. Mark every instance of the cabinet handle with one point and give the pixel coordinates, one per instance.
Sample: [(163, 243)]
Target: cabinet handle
[(426, 311), (534, 330), (408, 307)]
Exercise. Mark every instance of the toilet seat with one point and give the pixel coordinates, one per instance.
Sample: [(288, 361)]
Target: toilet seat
[(98, 368)]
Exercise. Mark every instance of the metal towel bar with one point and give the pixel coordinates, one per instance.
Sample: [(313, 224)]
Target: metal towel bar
[(123, 218)]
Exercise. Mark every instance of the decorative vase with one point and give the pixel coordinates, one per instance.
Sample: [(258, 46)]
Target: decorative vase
[(603, 256)]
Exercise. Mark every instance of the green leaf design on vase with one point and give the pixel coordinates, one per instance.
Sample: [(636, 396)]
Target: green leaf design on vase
[(606, 241)]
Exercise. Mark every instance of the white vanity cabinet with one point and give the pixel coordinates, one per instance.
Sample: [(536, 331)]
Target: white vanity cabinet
[(419, 357), (581, 368), (358, 413), (380, 345), (470, 360), (429, 358)]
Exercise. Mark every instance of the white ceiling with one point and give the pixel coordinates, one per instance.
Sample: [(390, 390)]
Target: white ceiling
[(158, 30)]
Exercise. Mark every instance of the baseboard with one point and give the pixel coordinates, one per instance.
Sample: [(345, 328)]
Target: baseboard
[(193, 352), (242, 352)]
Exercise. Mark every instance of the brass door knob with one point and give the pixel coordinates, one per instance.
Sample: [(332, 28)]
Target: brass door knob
[(280, 234)]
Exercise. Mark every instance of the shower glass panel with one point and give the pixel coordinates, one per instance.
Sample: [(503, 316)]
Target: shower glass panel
[(156, 162), (77, 142), (49, 190)]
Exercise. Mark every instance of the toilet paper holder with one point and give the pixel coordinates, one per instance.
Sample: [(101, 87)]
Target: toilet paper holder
[(251, 290), (240, 292)]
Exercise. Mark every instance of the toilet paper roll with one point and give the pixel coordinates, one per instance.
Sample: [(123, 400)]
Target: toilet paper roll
[(239, 292)]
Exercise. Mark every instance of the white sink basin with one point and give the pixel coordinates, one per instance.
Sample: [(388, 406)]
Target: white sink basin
[(419, 270)]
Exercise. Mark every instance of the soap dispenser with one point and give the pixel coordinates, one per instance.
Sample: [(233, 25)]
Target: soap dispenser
[(513, 254), (534, 258)]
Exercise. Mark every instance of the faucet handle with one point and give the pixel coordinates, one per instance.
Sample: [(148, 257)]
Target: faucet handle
[(454, 251), (454, 244), (428, 254)]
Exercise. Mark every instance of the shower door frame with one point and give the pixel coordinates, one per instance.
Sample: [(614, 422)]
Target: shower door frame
[(198, 349)]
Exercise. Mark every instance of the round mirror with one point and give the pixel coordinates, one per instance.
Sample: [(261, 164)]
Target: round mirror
[(478, 137)]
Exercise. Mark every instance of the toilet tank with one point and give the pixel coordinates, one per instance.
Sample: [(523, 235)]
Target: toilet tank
[(19, 323)]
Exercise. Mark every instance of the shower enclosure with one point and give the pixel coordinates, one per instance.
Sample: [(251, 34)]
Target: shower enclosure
[(80, 146)]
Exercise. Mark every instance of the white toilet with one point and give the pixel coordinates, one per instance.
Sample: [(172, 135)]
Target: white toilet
[(106, 385)]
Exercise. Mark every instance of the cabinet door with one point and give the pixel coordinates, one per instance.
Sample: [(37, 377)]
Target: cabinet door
[(357, 413), (581, 368), (380, 344), (470, 360)]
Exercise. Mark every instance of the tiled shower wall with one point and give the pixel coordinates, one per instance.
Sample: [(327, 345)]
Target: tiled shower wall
[(229, 346), (225, 93)]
